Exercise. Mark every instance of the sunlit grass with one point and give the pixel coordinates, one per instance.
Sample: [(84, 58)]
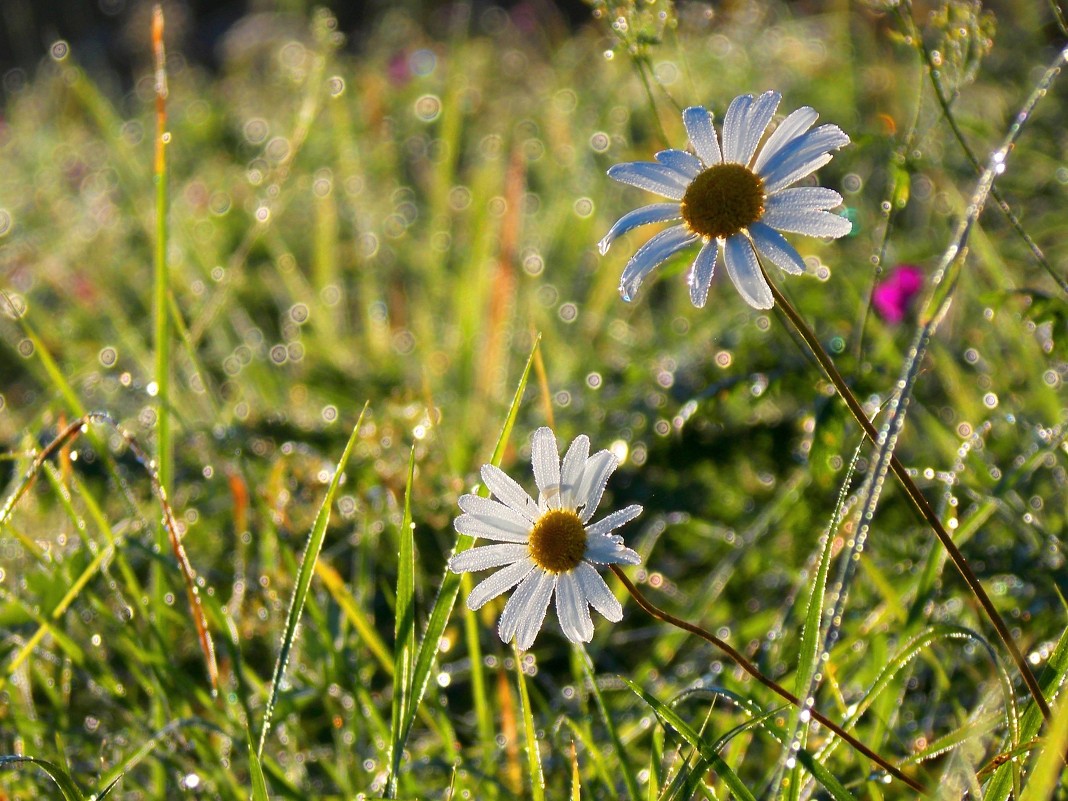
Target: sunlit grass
[(399, 223)]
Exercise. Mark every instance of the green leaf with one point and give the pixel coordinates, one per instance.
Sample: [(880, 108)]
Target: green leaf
[(537, 777), (259, 782), (63, 780)]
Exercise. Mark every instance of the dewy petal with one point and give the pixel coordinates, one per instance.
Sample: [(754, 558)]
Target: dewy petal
[(760, 114), (734, 128), (494, 511), (613, 521), (808, 222), (499, 582), (486, 556), (795, 124), (597, 592), (771, 244), (572, 609), (656, 212), (650, 176), (744, 270), (698, 122), (588, 493), (545, 457), (490, 528), (536, 607), (681, 162), (518, 605), (571, 470), (819, 198), (802, 156), (604, 550), (657, 250), (508, 492), (700, 278)]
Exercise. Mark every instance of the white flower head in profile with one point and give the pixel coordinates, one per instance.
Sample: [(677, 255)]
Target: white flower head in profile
[(735, 197), (549, 547)]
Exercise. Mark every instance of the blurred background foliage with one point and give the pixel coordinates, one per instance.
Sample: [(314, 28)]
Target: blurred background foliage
[(385, 203)]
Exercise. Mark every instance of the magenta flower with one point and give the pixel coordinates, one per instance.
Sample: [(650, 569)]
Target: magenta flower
[(894, 294)]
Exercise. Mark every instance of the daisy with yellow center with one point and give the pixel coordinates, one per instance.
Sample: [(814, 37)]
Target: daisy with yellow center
[(735, 200), (546, 548)]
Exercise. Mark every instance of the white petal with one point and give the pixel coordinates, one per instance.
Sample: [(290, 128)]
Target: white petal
[(657, 250), (771, 244), (744, 271), (597, 592), (700, 278), (491, 510), (686, 164), (819, 198), (793, 126), (509, 493), (545, 457), (499, 582), (657, 212), (734, 128), (801, 157), (650, 176), (698, 122), (487, 556), (530, 622), (594, 478), (571, 470), (613, 521), (808, 222), (491, 528), (760, 114), (572, 609), (609, 550), (517, 606)]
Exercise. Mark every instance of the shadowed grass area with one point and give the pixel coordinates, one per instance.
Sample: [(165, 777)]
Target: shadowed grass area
[(400, 222)]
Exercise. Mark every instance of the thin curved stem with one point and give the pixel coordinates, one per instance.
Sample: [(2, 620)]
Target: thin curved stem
[(740, 660), (918, 499)]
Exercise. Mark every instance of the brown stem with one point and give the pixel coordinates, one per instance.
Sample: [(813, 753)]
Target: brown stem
[(754, 671), (918, 499)]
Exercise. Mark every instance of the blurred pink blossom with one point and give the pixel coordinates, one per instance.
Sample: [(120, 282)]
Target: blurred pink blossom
[(894, 294)]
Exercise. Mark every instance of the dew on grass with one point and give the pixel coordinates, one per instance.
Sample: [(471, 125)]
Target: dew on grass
[(583, 207), (568, 312), (428, 108), (336, 86), (5, 221), (26, 348), (594, 380), (59, 50)]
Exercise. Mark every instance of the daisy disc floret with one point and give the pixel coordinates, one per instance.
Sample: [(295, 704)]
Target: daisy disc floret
[(548, 548), (735, 197)]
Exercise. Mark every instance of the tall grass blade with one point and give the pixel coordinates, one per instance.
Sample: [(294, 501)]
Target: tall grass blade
[(530, 735), (404, 633), (303, 582), (255, 769), (63, 780), (1048, 773), (630, 778), (450, 582)]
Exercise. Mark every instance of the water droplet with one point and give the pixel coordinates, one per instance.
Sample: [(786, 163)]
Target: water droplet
[(60, 50)]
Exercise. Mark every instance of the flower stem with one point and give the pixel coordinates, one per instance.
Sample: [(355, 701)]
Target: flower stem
[(918, 499), (754, 671)]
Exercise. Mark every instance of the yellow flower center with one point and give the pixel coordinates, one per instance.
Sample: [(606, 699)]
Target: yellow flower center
[(558, 541), (723, 200)]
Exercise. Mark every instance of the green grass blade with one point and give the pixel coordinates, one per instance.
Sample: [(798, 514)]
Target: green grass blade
[(1052, 680), (530, 737), (1048, 772), (63, 780), (630, 779), (671, 718), (450, 582), (303, 582), (255, 769), (404, 633)]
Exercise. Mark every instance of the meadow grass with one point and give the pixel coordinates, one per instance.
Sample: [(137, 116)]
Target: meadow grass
[(377, 271)]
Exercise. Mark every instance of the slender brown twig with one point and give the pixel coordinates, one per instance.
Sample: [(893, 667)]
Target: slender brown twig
[(771, 684)]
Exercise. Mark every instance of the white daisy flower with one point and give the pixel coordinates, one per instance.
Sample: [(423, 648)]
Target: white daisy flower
[(734, 200), (546, 547)]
